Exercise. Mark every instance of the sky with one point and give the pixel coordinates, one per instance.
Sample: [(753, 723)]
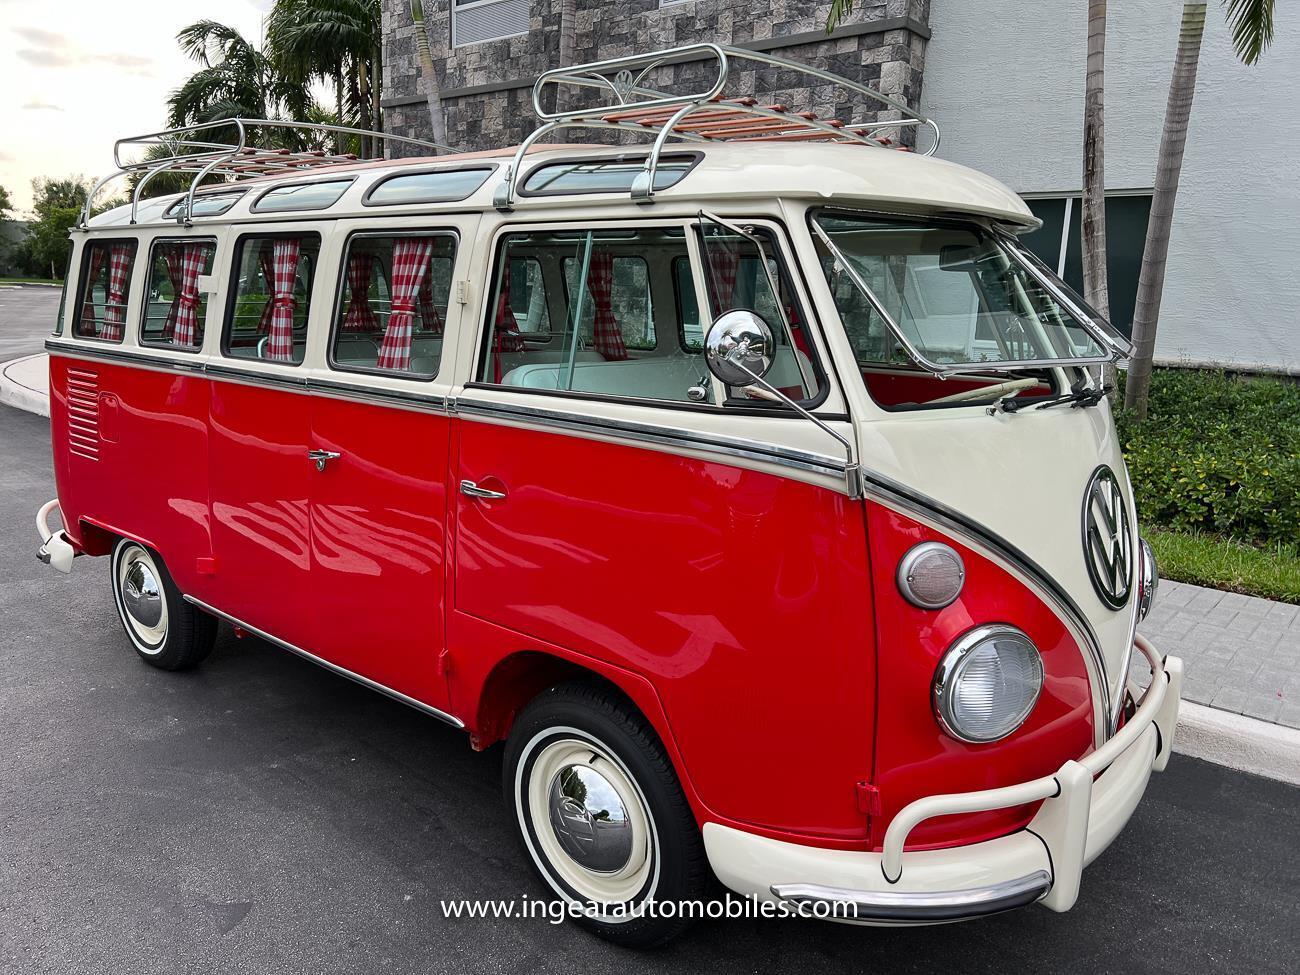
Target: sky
[(77, 75)]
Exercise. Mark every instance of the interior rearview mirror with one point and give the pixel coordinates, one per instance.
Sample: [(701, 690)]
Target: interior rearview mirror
[(960, 257), (739, 347)]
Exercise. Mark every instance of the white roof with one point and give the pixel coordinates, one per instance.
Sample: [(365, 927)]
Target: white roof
[(846, 174)]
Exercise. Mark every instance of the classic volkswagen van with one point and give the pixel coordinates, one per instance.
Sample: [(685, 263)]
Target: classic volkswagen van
[(756, 487)]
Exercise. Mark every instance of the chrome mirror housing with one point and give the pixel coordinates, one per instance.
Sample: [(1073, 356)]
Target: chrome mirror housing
[(739, 347)]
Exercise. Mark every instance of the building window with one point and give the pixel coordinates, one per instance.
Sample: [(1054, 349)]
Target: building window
[(1059, 245), (476, 21)]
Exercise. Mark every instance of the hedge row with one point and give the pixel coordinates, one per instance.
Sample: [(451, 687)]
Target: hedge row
[(1218, 453)]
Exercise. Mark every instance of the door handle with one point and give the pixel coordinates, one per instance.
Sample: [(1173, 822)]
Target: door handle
[(472, 490), (322, 457)]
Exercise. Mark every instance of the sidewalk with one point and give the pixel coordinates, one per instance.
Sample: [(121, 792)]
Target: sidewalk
[(25, 383)]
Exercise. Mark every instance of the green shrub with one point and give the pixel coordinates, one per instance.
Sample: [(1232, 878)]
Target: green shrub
[(1218, 453)]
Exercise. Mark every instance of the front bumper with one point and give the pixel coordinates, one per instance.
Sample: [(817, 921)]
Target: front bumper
[(1082, 812)]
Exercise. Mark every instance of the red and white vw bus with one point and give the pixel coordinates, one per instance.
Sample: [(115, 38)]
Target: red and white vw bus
[(755, 486)]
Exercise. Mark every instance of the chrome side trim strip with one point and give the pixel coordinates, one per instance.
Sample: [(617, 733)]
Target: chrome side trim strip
[(429, 402), (649, 433), (452, 720), (922, 906), (890, 491)]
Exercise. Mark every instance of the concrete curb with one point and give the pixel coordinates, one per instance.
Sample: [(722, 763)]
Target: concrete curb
[(17, 393), (1238, 742)]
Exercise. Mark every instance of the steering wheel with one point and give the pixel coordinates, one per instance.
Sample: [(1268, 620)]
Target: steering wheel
[(984, 392)]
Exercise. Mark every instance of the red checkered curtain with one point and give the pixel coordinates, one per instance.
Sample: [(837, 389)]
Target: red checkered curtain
[(93, 267), (266, 259), (505, 333), (607, 337), (119, 271), (723, 265), (360, 316), (428, 310), (284, 269), (194, 258), (173, 257), (410, 266)]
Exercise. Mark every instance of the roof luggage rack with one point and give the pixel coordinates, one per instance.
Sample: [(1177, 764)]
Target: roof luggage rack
[(633, 105), (191, 149)]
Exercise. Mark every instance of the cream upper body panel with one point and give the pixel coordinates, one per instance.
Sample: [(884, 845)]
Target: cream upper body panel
[(724, 171)]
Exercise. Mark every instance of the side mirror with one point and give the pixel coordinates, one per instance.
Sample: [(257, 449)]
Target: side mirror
[(738, 348)]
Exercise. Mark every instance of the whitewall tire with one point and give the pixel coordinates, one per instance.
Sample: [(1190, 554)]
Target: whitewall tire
[(602, 816), (164, 629)]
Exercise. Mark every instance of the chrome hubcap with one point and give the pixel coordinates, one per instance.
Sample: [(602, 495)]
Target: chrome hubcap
[(142, 596), (589, 819)]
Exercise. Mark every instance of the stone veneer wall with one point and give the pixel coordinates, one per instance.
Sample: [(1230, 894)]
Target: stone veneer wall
[(487, 88)]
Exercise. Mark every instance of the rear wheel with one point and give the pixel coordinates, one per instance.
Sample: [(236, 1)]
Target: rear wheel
[(602, 815), (165, 630)]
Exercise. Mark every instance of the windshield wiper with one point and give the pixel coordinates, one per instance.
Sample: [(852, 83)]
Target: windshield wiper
[(1077, 396)]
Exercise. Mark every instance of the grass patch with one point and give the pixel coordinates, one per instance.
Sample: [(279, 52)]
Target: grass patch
[(4, 280), (1272, 572)]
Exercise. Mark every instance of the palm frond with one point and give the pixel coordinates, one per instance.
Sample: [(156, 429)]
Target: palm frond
[(1251, 24), (839, 10)]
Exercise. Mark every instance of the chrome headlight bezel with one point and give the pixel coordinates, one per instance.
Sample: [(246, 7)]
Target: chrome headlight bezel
[(1148, 578), (947, 677), (907, 566)]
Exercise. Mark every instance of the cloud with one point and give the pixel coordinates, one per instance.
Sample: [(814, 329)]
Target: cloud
[(45, 38), (45, 58), (36, 106)]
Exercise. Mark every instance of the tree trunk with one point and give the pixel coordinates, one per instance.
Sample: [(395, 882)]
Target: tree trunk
[(1095, 287), (1169, 165), (339, 145), (381, 147), (437, 123), (363, 85), (568, 23)]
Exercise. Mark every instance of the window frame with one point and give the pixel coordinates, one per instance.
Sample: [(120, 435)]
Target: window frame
[(474, 5), (746, 407), (337, 305), (256, 205), (232, 293), (140, 340), (694, 157), (79, 299), (488, 168)]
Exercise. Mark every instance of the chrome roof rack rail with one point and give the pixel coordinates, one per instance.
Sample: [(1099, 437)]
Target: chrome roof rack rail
[(190, 149), (632, 104)]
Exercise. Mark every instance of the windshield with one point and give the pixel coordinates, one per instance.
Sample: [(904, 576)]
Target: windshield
[(948, 295)]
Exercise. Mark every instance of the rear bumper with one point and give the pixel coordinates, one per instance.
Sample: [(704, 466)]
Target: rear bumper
[(1085, 804), (56, 550)]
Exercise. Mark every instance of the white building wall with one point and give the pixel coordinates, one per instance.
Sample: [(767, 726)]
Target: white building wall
[(1004, 79)]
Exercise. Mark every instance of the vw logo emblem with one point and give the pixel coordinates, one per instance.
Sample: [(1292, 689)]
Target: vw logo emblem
[(1107, 538)]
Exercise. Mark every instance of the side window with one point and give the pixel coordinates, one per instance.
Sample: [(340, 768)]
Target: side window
[(103, 289), (688, 306), (174, 308), (619, 335), (625, 283), (267, 319), (394, 299), (743, 271)]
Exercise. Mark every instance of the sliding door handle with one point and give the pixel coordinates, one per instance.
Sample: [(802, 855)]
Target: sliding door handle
[(322, 457), (472, 490)]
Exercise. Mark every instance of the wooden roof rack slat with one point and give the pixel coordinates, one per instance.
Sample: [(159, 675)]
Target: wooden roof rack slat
[(630, 102)]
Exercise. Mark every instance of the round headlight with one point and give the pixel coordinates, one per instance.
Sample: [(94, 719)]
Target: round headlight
[(987, 683), (931, 575), (1148, 578)]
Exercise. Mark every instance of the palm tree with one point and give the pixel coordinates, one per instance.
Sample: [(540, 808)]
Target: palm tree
[(437, 121), (236, 80), (1251, 22), (335, 41), (568, 28), (1093, 227)]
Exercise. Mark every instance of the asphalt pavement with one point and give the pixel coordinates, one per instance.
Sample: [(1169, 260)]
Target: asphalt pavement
[(27, 316), (262, 815)]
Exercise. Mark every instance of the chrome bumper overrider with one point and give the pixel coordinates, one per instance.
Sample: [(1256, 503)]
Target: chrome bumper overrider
[(55, 548), (1082, 812)]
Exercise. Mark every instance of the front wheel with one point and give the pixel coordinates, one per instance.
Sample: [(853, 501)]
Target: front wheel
[(165, 630), (603, 817)]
